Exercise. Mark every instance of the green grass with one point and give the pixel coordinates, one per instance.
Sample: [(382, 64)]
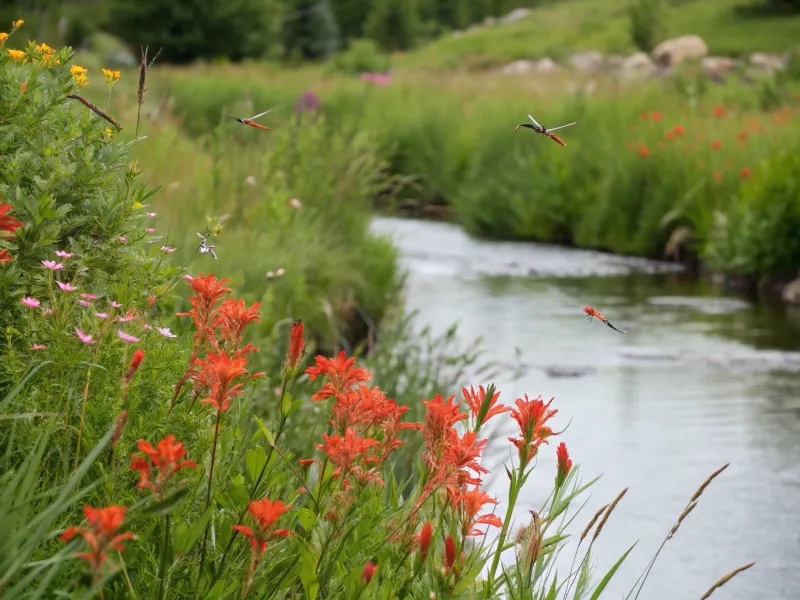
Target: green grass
[(561, 28)]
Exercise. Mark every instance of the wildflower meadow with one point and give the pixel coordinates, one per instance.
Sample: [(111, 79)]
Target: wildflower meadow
[(152, 447)]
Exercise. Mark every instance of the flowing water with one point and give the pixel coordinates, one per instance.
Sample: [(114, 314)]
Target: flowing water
[(699, 379)]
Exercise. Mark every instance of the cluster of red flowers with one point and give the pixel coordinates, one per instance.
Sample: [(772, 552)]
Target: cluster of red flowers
[(101, 535), (10, 224), (219, 330), (164, 458)]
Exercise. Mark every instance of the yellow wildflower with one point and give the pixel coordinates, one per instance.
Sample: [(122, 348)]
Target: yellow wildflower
[(81, 81), (44, 48), (109, 133), (137, 204), (3, 38), (77, 70), (16, 55), (111, 76), (17, 24)]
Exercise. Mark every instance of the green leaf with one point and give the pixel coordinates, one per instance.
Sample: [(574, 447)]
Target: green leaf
[(604, 582), (286, 404), (238, 494), (255, 458), (165, 506), (307, 570), (306, 518), (265, 431), (186, 537)]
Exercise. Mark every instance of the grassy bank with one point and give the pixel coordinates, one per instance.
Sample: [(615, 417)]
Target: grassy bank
[(556, 29)]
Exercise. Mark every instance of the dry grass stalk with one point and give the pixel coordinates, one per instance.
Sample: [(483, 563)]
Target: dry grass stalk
[(684, 514), (95, 110), (591, 523), (608, 514), (726, 578), (144, 66), (711, 477)]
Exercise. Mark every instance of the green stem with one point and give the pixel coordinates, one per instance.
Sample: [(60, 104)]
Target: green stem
[(162, 573), (208, 498), (501, 540)]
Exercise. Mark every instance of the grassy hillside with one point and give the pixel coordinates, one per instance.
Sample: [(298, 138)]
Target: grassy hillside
[(729, 27)]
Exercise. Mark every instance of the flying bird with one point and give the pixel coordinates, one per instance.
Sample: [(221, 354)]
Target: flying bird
[(594, 313), (249, 120), (544, 131)]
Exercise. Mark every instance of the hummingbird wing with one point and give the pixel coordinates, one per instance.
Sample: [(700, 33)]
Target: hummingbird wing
[(231, 117), (534, 121), (607, 322), (562, 126), (259, 115)]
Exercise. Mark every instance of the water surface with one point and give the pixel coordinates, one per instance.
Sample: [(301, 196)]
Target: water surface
[(700, 379)]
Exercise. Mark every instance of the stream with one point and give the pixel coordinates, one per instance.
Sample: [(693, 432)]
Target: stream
[(701, 378)]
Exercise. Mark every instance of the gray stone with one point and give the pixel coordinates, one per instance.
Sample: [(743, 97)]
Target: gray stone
[(677, 50)]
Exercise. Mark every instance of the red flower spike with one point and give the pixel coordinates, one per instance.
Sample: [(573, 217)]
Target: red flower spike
[(531, 415), (678, 130), (101, 535), (476, 402), (340, 372), (745, 173), (221, 374), (719, 111), (564, 464), (5, 256), (297, 344), (134, 365), (343, 451), (265, 513), (165, 458), (424, 539), (368, 571), (470, 504), (7, 222), (234, 319), (449, 553)]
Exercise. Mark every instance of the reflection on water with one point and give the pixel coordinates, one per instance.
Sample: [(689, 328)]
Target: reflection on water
[(699, 380)]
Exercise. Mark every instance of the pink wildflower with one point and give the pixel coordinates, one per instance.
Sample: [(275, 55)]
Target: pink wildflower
[(84, 303), (88, 296), (101, 315), (150, 230), (52, 265), (125, 319), (123, 239), (127, 337), (165, 332), (47, 311), (66, 287), (31, 302), (167, 250), (62, 254), (151, 215), (86, 339), (38, 347), (115, 304)]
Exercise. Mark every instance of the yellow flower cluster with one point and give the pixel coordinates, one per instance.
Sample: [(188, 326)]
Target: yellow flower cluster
[(46, 54), (3, 38), (16, 55), (111, 77), (79, 73), (17, 24)]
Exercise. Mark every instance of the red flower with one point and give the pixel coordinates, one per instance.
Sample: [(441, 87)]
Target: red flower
[(220, 373), (343, 451), (644, 152), (643, 116), (655, 115), (451, 463), (745, 173), (678, 130), (5, 256), (296, 352), (476, 403), (208, 292), (8, 223), (101, 536), (531, 415), (164, 457), (424, 539), (135, 362), (717, 175), (670, 135), (441, 415), (564, 464), (471, 503), (719, 111), (449, 553), (368, 571), (716, 145), (265, 513), (234, 319), (340, 372)]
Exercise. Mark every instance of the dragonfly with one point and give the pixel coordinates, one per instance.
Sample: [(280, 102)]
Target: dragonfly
[(544, 131), (249, 120), (205, 248), (594, 313)]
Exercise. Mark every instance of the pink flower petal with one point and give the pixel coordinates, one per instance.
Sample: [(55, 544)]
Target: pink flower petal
[(167, 250), (88, 296), (151, 215), (86, 339), (52, 265), (66, 287), (101, 315), (38, 347), (31, 302), (166, 332), (84, 303), (126, 337), (62, 254)]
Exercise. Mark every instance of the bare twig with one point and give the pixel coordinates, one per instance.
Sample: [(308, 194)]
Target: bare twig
[(95, 110)]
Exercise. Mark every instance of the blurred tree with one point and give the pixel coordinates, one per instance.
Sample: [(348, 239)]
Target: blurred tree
[(310, 29), (645, 19), (394, 24), (351, 16), (190, 29)]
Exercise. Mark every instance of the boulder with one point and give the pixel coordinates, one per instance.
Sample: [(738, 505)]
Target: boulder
[(519, 67), (613, 62), (547, 65), (515, 15), (767, 63), (586, 61), (718, 67), (677, 50), (791, 292), (637, 66)]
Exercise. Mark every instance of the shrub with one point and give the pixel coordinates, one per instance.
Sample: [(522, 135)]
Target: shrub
[(645, 23), (310, 29), (363, 56)]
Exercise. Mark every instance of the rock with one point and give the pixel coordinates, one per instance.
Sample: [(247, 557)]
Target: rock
[(613, 62), (547, 65), (519, 67), (675, 51), (565, 371), (637, 66), (489, 21), (515, 15), (791, 292), (767, 63), (586, 61), (718, 67)]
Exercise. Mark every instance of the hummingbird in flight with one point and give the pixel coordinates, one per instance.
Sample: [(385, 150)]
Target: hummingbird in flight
[(249, 120), (544, 131), (594, 313)]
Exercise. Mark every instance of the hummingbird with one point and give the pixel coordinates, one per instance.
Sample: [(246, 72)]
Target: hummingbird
[(592, 313), (544, 131), (205, 248), (249, 120)]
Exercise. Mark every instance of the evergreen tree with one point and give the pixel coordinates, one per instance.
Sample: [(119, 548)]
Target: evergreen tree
[(394, 24), (310, 29)]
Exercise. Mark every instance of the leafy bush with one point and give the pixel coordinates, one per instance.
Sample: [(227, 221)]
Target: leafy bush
[(645, 23), (310, 29), (363, 56)]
